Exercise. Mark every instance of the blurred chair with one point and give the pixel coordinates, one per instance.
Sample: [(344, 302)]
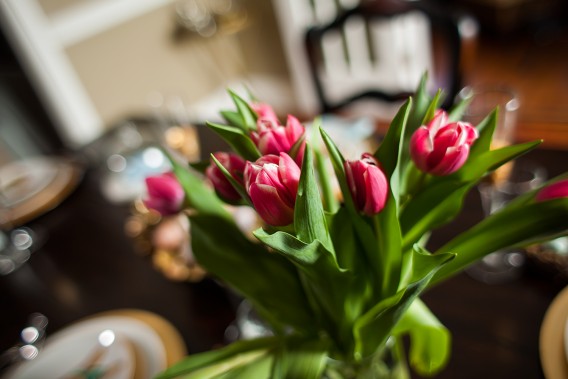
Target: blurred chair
[(379, 50)]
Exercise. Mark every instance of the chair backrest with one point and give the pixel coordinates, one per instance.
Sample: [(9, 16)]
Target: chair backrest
[(380, 50)]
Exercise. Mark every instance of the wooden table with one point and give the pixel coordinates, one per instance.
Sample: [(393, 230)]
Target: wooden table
[(87, 265)]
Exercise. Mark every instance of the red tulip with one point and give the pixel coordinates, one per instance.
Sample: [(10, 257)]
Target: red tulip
[(235, 165), (367, 183), (272, 184), (553, 191), (440, 148), (264, 112), (165, 194), (273, 138)]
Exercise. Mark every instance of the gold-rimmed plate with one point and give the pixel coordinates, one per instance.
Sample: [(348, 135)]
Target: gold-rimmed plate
[(146, 344), (553, 354)]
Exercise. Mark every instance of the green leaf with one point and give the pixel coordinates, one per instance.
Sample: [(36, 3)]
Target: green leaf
[(234, 119), (245, 111), (364, 230), (457, 112), (300, 360), (390, 151), (215, 362), (421, 102), (477, 166), (431, 111), (442, 200), (511, 226), (327, 282), (237, 139), (373, 328), (268, 280), (438, 204), (260, 368), (485, 128), (430, 341), (388, 260), (236, 185), (198, 195), (309, 218)]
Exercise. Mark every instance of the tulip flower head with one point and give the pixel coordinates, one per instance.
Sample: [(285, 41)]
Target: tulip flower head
[(264, 112), (235, 165), (553, 191), (165, 194), (273, 138), (439, 148), (368, 184), (272, 184)]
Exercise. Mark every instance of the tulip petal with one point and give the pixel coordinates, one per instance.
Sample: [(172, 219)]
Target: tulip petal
[(454, 159), (270, 206), (553, 191), (376, 190)]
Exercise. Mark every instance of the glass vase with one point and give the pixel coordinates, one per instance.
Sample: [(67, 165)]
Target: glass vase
[(389, 362)]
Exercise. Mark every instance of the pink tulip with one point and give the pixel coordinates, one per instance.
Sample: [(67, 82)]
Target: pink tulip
[(264, 112), (272, 184), (367, 183), (440, 148), (165, 194), (273, 138), (553, 191), (235, 165)]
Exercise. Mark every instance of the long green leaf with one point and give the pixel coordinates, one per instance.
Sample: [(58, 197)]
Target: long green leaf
[(329, 284), (373, 328), (309, 218), (300, 360), (430, 341), (234, 119), (268, 280), (478, 166), (443, 199), (485, 128), (237, 139), (247, 114), (363, 229), (511, 226), (457, 111), (198, 195), (236, 185), (215, 362)]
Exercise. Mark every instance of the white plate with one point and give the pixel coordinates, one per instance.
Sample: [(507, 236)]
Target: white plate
[(138, 350), (21, 180)]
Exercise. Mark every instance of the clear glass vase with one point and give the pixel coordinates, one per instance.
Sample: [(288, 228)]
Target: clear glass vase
[(389, 362)]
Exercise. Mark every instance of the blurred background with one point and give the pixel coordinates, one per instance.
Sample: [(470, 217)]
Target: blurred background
[(72, 70)]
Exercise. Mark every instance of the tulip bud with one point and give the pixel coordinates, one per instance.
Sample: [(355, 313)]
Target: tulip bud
[(264, 112), (235, 165), (367, 183), (273, 138), (272, 184), (440, 148), (553, 191), (165, 194)]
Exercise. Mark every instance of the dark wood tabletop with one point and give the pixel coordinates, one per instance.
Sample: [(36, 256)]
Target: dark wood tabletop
[(85, 264)]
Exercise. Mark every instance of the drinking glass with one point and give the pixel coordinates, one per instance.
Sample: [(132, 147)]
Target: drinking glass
[(505, 183), (483, 100)]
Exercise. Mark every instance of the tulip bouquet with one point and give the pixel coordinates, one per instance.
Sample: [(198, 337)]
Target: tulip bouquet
[(337, 274)]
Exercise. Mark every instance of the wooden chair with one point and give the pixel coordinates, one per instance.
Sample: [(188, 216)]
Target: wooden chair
[(380, 49)]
